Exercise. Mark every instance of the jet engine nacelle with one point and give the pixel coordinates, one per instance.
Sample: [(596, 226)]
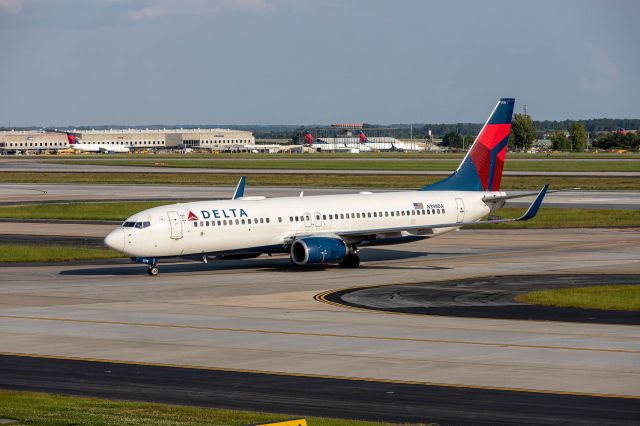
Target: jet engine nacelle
[(318, 250)]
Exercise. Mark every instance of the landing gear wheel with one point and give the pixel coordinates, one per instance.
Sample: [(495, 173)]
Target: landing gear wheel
[(153, 270), (350, 261)]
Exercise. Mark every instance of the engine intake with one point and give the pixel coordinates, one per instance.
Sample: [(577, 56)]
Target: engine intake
[(318, 250)]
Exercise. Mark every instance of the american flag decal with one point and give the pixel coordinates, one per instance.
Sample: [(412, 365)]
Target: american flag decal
[(418, 206)]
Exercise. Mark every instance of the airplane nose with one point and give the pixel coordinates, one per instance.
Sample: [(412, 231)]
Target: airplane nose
[(115, 240)]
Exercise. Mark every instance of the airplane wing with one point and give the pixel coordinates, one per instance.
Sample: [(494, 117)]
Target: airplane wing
[(529, 214)]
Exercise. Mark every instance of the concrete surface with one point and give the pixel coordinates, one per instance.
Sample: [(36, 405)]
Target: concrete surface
[(260, 315)]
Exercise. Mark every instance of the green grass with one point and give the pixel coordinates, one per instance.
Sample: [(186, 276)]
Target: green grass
[(40, 409), (609, 297), (371, 164), (553, 217), (78, 211), (12, 253), (363, 155), (312, 181)]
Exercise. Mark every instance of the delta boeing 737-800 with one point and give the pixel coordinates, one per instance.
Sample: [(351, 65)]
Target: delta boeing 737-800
[(327, 229)]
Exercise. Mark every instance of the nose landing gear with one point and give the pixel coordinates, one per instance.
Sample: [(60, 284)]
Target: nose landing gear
[(152, 270)]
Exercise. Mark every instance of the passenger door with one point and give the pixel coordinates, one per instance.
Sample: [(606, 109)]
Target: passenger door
[(318, 219), (307, 220), (460, 208), (176, 225)]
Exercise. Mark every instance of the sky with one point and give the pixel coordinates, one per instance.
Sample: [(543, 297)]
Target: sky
[(137, 62)]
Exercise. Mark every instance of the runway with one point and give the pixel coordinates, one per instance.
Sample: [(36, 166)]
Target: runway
[(261, 316), (35, 166), (305, 396), (44, 193)]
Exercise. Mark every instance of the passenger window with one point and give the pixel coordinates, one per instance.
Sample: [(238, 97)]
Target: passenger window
[(307, 218), (358, 215), (438, 211), (375, 214), (207, 222), (267, 220), (249, 221), (369, 214), (201, 223), (280, 219), (402, 212), (243, 221), (290, 218), (386, 214), (442, 211), (195, 224), (324, 217), (297, 219), (219, 223), (224, 222), (237, 222)]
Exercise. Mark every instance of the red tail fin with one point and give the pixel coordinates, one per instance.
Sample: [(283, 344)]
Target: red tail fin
[(71, 138), (363, 137), (308, 139)]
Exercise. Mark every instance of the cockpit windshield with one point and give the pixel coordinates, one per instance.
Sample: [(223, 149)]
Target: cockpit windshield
[(139, 225)]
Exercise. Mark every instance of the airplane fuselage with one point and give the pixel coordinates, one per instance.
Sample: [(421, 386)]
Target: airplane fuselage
[(263, 225)]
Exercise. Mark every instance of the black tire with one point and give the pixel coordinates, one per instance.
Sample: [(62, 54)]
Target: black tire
[(153, 271), (350, 261)]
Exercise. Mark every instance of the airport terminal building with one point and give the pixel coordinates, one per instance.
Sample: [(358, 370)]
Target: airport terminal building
[(39, 141)]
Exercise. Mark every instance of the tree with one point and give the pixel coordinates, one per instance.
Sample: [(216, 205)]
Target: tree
[(578, 137), (452, 140), (559, 141), (523, 132)]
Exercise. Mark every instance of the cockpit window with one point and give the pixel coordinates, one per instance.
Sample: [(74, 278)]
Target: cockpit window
[(138, 225)]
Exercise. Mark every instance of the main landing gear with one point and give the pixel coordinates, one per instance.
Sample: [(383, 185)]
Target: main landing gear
[(350, 261), (153, 270)]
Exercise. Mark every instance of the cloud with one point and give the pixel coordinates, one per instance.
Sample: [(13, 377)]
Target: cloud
[(604, 73), (154, 9), (11, 6)]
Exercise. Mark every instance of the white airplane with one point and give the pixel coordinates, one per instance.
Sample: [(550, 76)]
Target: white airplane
[(327, 229), (76, 144), (359, 143)]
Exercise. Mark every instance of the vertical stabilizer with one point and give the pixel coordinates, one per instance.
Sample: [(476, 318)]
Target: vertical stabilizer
[(481, 168)]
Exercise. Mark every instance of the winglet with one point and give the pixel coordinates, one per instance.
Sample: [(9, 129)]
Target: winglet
[(240, 188), (533, 208)]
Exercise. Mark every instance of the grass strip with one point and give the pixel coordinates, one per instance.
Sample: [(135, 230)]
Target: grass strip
[(372, 164), (312, 181), (41, 409), (609, 297), (333, 155), (554, 217), (78, 211), (12, 253)]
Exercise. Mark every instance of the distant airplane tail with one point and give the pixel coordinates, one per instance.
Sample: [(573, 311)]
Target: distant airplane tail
[(308, 139), (363, 138), (481, 168), (72, 138)]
